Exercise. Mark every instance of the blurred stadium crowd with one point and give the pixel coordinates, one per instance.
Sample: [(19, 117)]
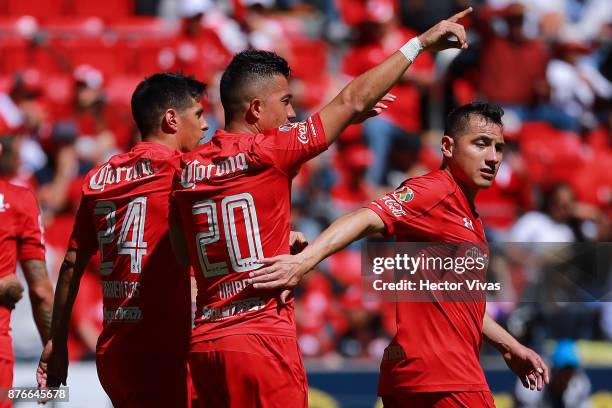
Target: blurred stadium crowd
[(68, 68)]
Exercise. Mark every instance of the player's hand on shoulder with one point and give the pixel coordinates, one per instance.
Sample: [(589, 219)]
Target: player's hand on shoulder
[(440, 36), (528, 366), (11, 290), (280, 272), (380, 107)]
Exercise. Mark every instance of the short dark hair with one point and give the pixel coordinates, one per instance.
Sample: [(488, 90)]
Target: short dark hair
[(159, 92), (245, 67), (458, 119)]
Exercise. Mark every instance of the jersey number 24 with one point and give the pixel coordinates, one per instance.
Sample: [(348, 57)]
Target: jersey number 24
[(131, 237)]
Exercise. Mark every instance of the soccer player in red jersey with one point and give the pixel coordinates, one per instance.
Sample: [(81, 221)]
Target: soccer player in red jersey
[(231, 207), (433, 360), (20, 239), (141, 353)]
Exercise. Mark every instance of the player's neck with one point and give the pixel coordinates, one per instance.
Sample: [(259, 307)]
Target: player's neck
[(470, 193), (242, 127), (162, 139)]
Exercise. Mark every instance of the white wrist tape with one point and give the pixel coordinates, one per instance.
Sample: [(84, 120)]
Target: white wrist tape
[(412, 49)]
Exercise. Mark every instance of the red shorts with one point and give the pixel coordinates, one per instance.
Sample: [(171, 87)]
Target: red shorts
[(249, 370), (6, 381), (135, 381), (467, 399), (194, 400)]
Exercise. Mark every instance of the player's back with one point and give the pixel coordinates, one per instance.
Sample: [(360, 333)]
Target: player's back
[(233, 198), (124, 215)]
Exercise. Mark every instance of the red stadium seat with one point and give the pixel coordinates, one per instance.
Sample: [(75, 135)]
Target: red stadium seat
[(140, 26), (119, 89), (149, 55), (22, 26), (14, 54), (309, 58), (19, 54), (550, 154), (74, 26), (101, 53), (58, 88), (109, 10), (5, 83), (41, 9)]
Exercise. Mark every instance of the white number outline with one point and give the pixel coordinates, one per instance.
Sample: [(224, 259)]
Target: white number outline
[(108, 209), (244, 202), (135, 220), (209, 208)]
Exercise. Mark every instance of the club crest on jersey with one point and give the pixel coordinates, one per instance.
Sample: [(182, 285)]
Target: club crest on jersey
[(404, 194), (287, 127), (467, 223)]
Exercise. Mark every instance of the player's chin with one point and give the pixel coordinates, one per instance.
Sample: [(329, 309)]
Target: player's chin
[(484, 181)]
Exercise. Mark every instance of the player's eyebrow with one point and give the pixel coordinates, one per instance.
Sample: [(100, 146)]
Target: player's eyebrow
[(489, 139), (287, 97), (200, 111)]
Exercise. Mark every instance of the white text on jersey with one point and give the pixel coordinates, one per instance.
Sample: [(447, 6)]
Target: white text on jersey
[(120, 289), (232, 288), (107, 175), (194, 171)]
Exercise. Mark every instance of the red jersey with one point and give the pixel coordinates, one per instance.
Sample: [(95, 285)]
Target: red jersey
[(233, 199), (124, 214), (20, 238), (437, 345)]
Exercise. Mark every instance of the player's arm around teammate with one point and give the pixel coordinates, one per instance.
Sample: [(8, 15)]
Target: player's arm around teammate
[(286, 271)]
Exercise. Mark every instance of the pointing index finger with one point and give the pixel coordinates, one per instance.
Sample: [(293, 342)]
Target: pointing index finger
[(460, 15)]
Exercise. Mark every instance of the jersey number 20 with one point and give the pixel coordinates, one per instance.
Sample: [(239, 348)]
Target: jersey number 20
[(229, 205)]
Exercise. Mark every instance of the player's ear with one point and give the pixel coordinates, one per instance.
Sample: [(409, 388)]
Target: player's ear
[(254, 112), (170, 121), (447, 145)]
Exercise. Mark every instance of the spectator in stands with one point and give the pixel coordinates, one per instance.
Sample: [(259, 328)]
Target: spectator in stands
[(204, 45), (575, 85), (378, 36), (512, 67), (569, 385), (25, 93), (509, 197), (552, 223), (420, 15), (352, 189)]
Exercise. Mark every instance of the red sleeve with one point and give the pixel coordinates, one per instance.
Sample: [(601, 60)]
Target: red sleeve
[(174, 216), (403, 210), (290, 146), (31, 244), (84, 237)]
